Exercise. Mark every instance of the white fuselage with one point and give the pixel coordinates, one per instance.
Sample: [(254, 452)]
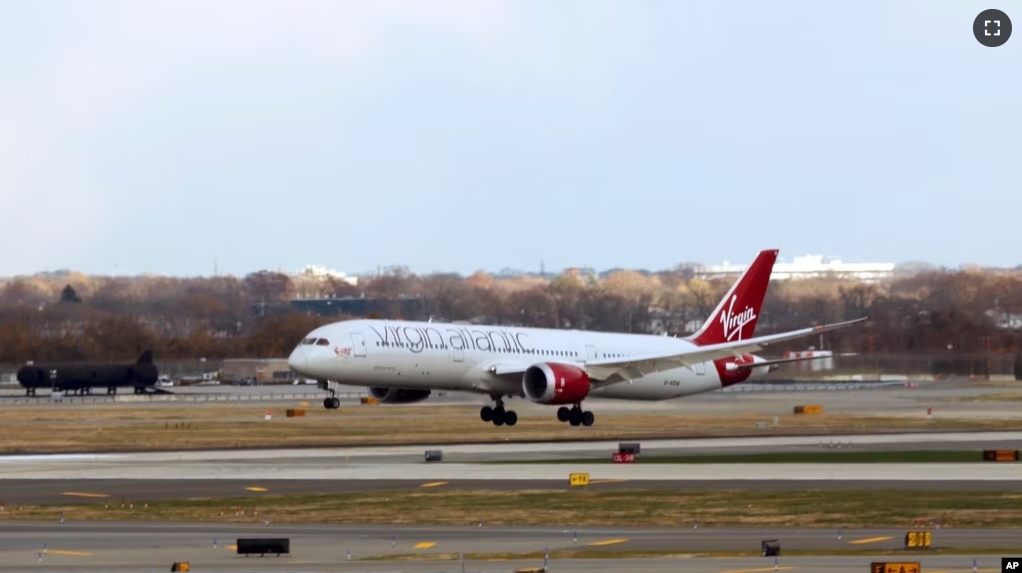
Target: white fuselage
[(443, 356)]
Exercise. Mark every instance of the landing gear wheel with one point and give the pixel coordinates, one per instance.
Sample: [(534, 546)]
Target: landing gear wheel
[(498, 416), (575, 417), (328, 403), (486, 414), (335, 403), (588, 418), (563, 413), (510, 418)]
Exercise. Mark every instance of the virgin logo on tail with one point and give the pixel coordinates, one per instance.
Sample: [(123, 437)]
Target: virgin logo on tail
[(733, 323)]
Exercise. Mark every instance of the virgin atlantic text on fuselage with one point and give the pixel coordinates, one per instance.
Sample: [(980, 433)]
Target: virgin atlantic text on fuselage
[(417, 339)]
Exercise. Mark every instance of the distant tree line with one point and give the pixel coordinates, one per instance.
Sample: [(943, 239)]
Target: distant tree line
[(77, 317)]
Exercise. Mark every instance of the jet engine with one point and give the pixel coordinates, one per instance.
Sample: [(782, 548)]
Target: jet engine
[(398, 395), (552, 383)]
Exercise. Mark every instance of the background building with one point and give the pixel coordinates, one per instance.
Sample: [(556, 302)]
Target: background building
[(809, 266)]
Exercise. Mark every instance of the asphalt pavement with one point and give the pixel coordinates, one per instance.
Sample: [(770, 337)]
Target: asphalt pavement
[(98, 546)]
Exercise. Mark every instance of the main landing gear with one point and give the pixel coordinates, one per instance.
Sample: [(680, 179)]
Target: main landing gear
[(497, 414), (575, 415), (331, 403)]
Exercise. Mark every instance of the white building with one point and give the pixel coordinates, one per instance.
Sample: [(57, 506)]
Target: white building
[(315, 271), (810, 266)]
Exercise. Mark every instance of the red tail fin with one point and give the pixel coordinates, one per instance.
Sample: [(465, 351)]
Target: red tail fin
[(735, 317)]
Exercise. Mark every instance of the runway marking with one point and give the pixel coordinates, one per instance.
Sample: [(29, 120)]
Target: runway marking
[(256, 489), (434, 484), (67, 552), (759, 570), (606, 542), (425, 544), (869, 540), (80, 494), (599, 481)]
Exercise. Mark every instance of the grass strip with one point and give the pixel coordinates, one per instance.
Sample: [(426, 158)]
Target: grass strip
[(575, 507), (124, 427)]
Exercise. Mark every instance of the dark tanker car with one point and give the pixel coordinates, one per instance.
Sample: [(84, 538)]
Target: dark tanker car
[(82, 378)]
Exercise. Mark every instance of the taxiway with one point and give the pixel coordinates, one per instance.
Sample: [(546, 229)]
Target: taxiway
[(211, 547)]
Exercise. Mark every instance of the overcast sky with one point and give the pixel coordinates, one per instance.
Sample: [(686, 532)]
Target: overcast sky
[(481, 134)]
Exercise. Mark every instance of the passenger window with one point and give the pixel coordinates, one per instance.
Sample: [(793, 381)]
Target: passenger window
[(322, 342)]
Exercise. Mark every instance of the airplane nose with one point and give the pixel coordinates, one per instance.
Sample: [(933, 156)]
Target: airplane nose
[(297, 360)]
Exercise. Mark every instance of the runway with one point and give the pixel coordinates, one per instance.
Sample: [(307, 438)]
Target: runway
[(138, 477), (84, 478), (394, 462), (210, 547)]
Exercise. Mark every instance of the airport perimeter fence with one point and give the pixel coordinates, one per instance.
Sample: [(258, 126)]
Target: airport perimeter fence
[(938, 365), (931, 364)]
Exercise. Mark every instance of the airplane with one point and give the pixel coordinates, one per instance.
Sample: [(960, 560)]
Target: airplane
[(405, 361)]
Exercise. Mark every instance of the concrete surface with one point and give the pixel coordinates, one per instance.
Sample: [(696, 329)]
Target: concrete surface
[(372, 463), (154, 546)]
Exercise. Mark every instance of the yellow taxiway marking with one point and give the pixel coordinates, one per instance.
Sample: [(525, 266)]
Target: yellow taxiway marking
[(425, 544), (66, 552), (434, 483), (80, 494), (606, 542), (869, 540), (599, 481), (256, 489), (231, 547), (758, 570)]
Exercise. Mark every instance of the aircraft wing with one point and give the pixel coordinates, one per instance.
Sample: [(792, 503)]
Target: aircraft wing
[(618, 370)]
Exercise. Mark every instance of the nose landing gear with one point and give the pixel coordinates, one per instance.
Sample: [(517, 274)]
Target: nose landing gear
[(497, 414), (576, 416)]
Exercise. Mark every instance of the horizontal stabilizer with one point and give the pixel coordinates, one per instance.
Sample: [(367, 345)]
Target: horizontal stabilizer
[(751, 365)]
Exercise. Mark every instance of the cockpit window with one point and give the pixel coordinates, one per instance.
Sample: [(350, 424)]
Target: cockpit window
[(322, 342), (308, 341)]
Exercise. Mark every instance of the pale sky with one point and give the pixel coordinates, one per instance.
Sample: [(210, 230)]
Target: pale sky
[(452, 135)]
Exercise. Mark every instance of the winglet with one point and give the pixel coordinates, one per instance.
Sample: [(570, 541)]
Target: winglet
[(735, 317)]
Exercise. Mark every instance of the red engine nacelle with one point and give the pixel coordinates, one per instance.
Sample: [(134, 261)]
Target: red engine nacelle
[(552, 383)]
